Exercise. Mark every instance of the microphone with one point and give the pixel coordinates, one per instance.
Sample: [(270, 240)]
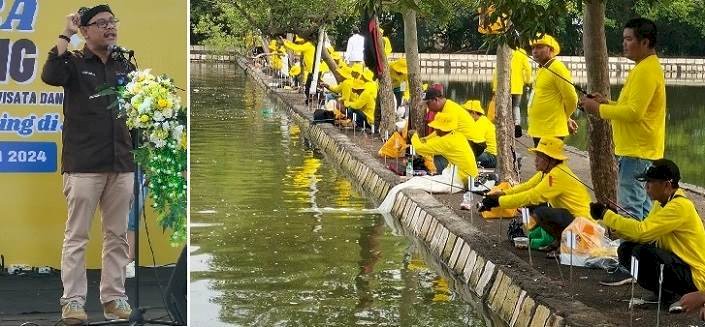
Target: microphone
[(114, 48)]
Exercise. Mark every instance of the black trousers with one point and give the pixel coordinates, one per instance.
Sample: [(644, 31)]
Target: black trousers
[(477, 148), (677, 279), (553, 220)]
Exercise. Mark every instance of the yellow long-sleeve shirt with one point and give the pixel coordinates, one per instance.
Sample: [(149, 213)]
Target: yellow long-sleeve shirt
[(520, 70), (552, 102), (560, 188), (465, 122), (387, 46), (366, 102), (639, 116), (452, 146), (343, 88), (676, 227), (485, 131), (307, 50)]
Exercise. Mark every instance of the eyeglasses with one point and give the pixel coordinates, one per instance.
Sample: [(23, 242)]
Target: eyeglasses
[(102, 23)]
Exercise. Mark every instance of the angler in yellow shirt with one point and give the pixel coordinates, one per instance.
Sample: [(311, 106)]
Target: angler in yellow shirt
[(638, 118), (447, 142), (363, 107), (553, 100), (671, 235), (437, 103), (554, 183), (484, 134), (399, 73), (307, 51)]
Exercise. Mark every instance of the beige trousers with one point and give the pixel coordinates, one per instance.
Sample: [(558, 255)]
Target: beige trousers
[(84, 191)]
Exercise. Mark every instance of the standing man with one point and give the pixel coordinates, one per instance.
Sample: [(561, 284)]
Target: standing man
[(638, 118), (96, 162), (355, 52), (519, 79), (553, 99)]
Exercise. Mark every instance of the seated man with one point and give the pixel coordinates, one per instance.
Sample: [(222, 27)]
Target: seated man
[(672, 234), (364, 102), (484, 136), (449, 143), (437, 102), (553, 183)]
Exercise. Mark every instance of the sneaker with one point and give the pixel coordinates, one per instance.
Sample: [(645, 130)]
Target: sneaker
[(117, 309), (130, 270), (72, 313), (618, 278)]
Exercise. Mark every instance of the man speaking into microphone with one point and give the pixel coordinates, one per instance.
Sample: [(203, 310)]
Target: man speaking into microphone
[(96, 163)]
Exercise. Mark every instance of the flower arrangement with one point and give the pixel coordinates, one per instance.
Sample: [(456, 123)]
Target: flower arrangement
[(151, 106)]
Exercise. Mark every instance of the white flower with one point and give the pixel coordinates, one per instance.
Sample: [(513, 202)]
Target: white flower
[(157, 116)]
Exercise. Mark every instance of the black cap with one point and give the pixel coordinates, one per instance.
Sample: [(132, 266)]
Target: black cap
[(88, 13), (661, 169), (434, 91)]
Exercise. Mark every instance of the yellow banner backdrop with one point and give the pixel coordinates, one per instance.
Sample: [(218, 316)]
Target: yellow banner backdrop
[(34, 212)]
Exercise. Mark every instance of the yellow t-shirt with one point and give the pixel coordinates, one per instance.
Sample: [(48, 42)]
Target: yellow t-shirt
[(560, 188), (639, 116), (453, 146), (675, 227), (552, 102)]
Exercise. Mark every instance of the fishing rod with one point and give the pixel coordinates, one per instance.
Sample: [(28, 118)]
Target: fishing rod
[(545, 66), (588, 187)]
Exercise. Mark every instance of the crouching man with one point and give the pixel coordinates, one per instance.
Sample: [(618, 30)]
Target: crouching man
[(671, 235)]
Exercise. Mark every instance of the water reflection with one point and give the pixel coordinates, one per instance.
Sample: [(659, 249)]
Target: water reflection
[(685, 123), (267, 249)]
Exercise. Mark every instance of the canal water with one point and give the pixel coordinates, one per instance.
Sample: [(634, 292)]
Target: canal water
[(685, 122), (267, 246)]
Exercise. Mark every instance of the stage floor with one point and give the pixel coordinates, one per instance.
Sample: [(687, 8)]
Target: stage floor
[(34, 298)]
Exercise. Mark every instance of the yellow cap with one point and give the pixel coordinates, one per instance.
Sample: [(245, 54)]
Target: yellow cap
[(368, 75), (548, 41), (550, 146), (295, 70), (444, 121), (357, 68), (474, 105), (399, 66)]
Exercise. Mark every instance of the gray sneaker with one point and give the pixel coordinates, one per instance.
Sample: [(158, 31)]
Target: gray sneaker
[(72, 313)]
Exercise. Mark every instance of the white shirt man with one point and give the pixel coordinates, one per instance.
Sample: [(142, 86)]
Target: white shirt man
[(356, 49)]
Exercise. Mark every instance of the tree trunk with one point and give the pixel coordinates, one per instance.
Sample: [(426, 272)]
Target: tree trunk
[(385, 94), (603, 166), (417, 110), (504, 118)]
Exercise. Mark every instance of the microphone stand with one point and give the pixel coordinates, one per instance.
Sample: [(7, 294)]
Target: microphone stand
[(137, 315)]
